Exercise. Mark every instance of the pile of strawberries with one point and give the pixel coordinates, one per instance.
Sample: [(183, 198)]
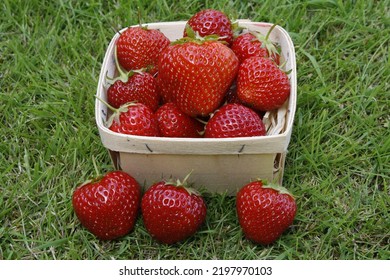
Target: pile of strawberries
[(210, 83)]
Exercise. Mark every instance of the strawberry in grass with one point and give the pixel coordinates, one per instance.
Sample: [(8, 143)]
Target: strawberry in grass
[(172, 212), (132, 118), (173, 122), (108, 206), (211, 22), (135, 85), (234, 120), (264, 211), (255, 44), (261, 84), (139, 47), (195, 74)]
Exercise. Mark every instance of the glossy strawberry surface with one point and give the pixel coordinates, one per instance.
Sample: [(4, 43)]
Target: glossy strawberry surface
[(173, 122), (137, 119), (247, 45), (108, 206), (170, 213), (140, 88), (264, 213), (139, 47), (261, 84), (234, 120), (196, 75), (212, 22)]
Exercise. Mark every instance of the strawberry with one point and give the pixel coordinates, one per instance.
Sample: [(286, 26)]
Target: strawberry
[(139, 47), (133, 119), (133, 86), (211, 22), (264, 212), (174, 123), (261, 84), (140, 87), (172, 212), (234, 120), (255, 44), (108, 206), (196, 75), (138, 119)]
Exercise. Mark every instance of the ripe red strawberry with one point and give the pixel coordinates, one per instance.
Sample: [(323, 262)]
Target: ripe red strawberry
[(134, 86), (211, 22), (255, 44), (174, 123), (196, 75), (264, 212), (172, 213), (139, 47), (138, 119), (234, 120), (261, 84), (108, 206), (133, 119)]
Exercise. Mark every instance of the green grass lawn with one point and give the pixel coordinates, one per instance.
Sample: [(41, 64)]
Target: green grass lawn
[(338, 164)]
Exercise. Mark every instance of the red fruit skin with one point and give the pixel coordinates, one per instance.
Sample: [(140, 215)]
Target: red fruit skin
[(196, 76), (140, 88), (108, 207), (247, 45), (264, 213), (137, 120), (234, 120), (261, 84), (173, 122), (212, 22), (170, 213), (140, 47)]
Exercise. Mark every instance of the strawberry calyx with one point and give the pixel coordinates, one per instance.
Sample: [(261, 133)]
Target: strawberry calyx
[(116, 111), (184, 184), (237, 29), (280, 189), (265, 41), (194, 36), (92, 181), (123, 75)]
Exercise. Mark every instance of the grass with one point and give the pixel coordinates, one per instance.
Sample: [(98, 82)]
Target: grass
[(337, 165)]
